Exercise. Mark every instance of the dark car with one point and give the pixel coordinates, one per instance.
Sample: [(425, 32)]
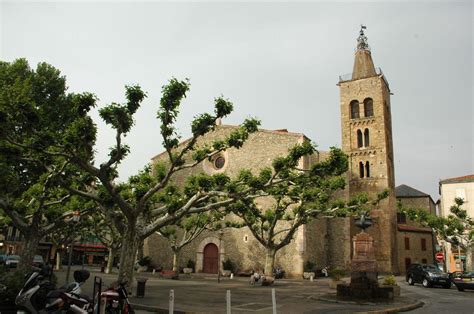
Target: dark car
[(463, 280), (12, 261), (427, 275), (38, 261)]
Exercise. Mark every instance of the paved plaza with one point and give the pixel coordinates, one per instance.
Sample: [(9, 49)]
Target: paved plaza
[(202, 294)]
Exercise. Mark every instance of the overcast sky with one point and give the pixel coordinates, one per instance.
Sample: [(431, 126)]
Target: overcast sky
[(278, 61)]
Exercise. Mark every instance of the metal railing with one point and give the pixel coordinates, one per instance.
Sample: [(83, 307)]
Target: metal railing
[(348, 76)]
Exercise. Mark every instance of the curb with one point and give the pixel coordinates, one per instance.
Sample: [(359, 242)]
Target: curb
[(402, 308)]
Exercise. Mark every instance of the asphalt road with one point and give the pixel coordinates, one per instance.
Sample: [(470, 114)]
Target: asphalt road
[(293, 296), (439, 300)]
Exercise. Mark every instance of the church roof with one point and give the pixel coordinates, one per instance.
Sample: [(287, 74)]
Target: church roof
[(407, 191), (467, 178), (283, 132)]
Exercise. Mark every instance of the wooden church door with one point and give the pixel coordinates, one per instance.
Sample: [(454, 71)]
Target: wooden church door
[(210, 259)]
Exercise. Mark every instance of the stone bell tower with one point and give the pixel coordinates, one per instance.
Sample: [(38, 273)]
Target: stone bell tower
[(367, 140)]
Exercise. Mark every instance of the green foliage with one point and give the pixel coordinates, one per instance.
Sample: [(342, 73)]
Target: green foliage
[(457, 228), (14, 281), (229, 265), (390, 281), (145, 261), (309, 266), (337, 273), (191, 264), (172, 94)]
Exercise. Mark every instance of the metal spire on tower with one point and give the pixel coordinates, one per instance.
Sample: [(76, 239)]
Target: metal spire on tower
[(362, 43)]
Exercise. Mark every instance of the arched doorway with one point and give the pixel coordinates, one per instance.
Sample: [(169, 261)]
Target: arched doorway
[(210, 259)]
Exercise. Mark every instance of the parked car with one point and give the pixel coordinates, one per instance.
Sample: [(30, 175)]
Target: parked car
[(38, 261), (12, 261), (463, 280), (427, 275)]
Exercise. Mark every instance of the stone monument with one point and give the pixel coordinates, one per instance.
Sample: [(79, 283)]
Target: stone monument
[(364, 284)]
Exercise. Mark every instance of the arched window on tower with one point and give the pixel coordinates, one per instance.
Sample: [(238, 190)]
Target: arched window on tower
[(367, 169), (368, 107), (366, 138), (359, 139), (354, 109), (361, 169)]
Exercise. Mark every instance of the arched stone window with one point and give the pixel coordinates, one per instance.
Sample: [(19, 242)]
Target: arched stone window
[(368, 107), (367, 169), (354, 109), (359, 139), (361, 169), (366, 138)]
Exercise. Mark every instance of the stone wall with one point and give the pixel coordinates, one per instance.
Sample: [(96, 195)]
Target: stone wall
[(239, 245), (378, 153)]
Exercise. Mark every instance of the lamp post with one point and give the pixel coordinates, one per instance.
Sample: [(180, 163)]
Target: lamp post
[(220, 234), (75, 219)]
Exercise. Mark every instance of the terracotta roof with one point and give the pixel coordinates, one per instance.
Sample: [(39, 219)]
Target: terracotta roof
[(468, 178), (407, 191), (403, 227)]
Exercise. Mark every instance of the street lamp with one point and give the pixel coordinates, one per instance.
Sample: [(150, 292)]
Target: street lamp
[(75, 219), (220, 234)]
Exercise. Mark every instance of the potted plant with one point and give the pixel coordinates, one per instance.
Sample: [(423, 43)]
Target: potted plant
[(390, 281), (189, 267), (336, 274), (228, 266), (143, 264), (308, 270)]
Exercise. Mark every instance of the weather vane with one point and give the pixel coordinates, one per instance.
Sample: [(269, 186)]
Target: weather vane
[(362, 39)]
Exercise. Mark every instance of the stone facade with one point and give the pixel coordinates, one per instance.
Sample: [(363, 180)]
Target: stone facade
[(416, 244), (366, 138)]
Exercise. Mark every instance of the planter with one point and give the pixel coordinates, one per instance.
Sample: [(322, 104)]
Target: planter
[(226, 273), (396, 290), (308, 274), (333, 283), (142, 269), (187, 270)]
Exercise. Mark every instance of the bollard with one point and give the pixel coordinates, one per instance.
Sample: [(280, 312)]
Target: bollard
[(154, 271), (274, 301), (228, 302), (171, 305), (311, 278), (231, 275)]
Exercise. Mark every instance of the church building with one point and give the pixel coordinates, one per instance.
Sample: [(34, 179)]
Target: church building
[(366, 139)]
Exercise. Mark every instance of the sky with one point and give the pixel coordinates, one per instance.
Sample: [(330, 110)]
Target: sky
[(277, 61)]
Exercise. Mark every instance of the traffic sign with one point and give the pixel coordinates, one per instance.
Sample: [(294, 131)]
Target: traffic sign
[(439, 256)]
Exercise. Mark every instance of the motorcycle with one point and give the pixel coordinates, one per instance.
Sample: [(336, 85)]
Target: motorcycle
[(32, 296), (39, 295), (114, 300)]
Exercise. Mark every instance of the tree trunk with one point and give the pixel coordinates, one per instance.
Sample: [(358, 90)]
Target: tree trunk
[(127, 256), (269, 261), (469, 252), (176, 260), (140, 253), (29, 251), (110, 261), (58, 259)]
